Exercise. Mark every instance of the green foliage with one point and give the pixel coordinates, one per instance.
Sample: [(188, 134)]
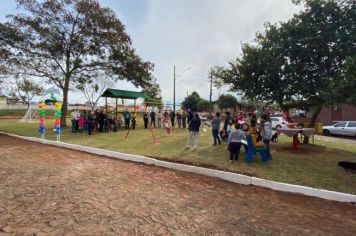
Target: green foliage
[(154, 92), (195, 103), (227, 101), (302, 59), (64, 41), (203, 105), (27, 89)]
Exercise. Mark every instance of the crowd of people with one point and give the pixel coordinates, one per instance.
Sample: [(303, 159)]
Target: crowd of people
[(230, 131), (235, 128), (101, 121)]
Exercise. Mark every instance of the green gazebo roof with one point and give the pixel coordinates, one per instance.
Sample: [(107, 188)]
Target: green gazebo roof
[(116, 93)]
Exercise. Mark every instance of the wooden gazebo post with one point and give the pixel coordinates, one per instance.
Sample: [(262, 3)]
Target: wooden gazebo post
[(116, 109), (106, 104)]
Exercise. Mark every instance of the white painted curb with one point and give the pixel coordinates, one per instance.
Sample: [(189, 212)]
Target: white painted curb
[(228, 176)]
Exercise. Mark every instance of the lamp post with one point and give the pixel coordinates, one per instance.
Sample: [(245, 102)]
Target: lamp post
[(174, 84)]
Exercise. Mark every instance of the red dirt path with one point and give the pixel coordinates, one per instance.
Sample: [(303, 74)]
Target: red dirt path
[(46, 190)]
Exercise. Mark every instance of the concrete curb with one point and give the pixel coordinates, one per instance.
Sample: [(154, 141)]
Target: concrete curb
[(228, 176)]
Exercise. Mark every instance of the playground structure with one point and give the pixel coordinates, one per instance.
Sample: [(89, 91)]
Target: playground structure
[(132, 95), (32, 113)]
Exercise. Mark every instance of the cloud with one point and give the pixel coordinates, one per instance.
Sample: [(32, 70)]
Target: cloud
[(199, 34)]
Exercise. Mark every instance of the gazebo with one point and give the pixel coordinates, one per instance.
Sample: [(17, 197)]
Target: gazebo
[(123, 94)]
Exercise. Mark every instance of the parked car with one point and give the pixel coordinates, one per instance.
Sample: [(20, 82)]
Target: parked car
[(278, 122), (347, 128)]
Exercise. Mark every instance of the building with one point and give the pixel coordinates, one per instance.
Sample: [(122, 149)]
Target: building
[(333, 114)]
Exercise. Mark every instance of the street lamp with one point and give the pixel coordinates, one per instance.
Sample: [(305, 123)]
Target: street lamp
[(174, 85)]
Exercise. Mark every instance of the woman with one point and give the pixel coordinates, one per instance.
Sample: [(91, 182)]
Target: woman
[(234, 142), (194, 126), (145, 119), (266, 133)]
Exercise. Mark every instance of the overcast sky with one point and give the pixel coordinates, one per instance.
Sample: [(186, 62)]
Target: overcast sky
[(197, 34)]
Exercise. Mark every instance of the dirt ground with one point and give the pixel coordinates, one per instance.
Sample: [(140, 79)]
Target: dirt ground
[(47, 190)]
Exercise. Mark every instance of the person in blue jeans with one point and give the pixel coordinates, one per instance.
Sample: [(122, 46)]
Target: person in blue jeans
[(215, 125), (73, 119), (234, 142), (266, 133)]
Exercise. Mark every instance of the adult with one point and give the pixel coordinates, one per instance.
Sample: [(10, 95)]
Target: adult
[(90, 120), (226, 124), (127, 117), (189, 116), (194, 126), (153, 119), (184, 120), (145, 119), (101, 121), (266, 133), (73, 119), (179, 119), (173, 116), (215, 125), (159, 119), (234, 142)]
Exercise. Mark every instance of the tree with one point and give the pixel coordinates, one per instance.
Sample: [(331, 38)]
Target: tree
[(154, 92), (93, 89), (299, 61), (191, 102), (26, 89), (226, 101), (203, 105), (67, 41)]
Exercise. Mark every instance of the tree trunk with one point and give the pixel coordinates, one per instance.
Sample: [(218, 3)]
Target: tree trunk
[(313, 120), (65, 102), (64, 108)]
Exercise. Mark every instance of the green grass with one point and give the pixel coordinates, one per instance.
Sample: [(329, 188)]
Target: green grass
[(311, 165), (12, 112)]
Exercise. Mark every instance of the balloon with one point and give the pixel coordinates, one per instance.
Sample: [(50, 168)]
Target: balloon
[(41, 129), (42, 113), (57, 106), (42, 105)]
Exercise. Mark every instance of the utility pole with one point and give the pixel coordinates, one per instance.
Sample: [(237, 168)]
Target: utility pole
[(174, 89), (211, 91)]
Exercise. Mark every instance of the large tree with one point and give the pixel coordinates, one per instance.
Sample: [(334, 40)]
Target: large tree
[(64, 41), (301, 61), (191, 101)]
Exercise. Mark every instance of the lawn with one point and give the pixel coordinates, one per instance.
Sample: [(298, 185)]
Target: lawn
[(13, 112), (311, 165)]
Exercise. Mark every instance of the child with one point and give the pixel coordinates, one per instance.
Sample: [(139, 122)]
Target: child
[(81, 123), (234, 143), (165, 124), (115, 124), (119, 123), (133, 120), (266, 133)]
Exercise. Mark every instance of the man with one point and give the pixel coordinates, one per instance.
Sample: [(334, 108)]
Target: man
[(194, 126), (215, 125), (173, 116), (266, 133), (127, 117), (73, 119), (90, 119), (189, 116), (153, 119)]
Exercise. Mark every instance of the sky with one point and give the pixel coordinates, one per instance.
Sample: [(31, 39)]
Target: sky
[(192, 35)]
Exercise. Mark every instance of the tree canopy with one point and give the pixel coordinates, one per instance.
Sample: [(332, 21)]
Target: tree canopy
[(227, 101), (64, 41), (195, 103), (301, 60)]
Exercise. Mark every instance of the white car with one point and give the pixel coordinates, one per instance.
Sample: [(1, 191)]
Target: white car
[(347, 128), (278, 122)]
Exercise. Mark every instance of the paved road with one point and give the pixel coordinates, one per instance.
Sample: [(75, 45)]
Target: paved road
[(47, 190)]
